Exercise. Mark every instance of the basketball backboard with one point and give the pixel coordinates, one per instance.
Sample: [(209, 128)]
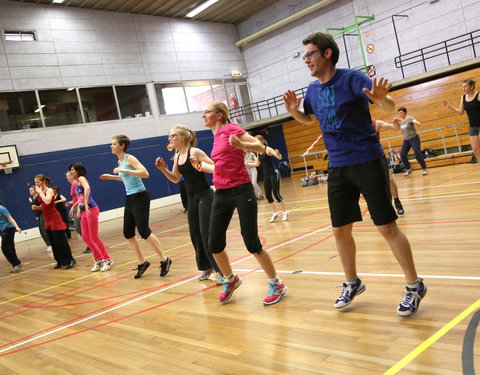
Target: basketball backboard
[(9, 153)]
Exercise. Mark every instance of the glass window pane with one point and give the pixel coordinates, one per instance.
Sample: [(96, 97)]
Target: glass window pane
[(17, 111), (199, 94), (171, 98), (218, 91), (61, 107), (133, 101), (98, 104)]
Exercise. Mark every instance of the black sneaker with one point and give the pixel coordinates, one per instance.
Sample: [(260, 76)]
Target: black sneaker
[(349, 292), (87, 251), (411, 300), (141, 268), (398, 206), (165, 267)]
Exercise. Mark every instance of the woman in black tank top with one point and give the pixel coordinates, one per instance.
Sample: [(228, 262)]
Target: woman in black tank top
[(470, 103), (200, 195)]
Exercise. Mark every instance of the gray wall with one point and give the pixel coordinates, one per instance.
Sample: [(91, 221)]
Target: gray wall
[(272, 69), (79, 47)]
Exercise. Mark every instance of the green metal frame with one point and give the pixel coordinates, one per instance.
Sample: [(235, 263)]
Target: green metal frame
[(359, 20)]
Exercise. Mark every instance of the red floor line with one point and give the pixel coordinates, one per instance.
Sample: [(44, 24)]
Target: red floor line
[(138, 312)]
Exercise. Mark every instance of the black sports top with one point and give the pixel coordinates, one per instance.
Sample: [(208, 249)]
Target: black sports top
[(267, 164), (473, 111), (195, 181)]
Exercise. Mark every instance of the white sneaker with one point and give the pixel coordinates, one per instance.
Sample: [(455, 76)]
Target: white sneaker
[(407, 172), (274, 217), (285, 216), (97, 266), (17, 268), (425, 172), (107, 264), (49, 249)]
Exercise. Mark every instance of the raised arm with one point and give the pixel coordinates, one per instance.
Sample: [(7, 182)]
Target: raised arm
[(247, 142), (107, 176), (201, 161), (174, 175), (138, 171), (292, 105), (378, 94), (460, 109), (381, 125), (47, 196)]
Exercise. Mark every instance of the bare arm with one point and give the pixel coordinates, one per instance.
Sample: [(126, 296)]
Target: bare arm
[(12, 220), (174, 175), (253, 163), (460, 109), (61, 199), (106, 176), (47, 196), (292, 105), (417, 123), (138, 171), (201, 161), (383, 125)]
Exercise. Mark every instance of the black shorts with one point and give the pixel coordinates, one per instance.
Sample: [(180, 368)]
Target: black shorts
[(137, 214), (345, 184)]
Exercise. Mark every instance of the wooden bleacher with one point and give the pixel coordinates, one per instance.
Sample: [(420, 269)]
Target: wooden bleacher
[(424, 102)]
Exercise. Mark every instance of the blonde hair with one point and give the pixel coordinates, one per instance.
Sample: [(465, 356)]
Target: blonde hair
[(186, 134), (223, 109)]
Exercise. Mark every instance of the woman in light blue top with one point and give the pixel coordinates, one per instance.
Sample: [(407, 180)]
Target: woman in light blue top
[(8, 227), (137, 204)]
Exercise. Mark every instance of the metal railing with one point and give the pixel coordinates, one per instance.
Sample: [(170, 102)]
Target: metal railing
[(445, 48), (442, 137), (263, 109)]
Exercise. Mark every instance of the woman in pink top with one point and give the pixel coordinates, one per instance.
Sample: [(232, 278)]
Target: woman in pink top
[(76, 219), (234, 190)]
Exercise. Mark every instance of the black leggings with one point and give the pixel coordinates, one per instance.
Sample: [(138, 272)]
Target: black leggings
[(60, 247), (224, 203), (199, 214), (271, 184), (137, 215), (8, 246)]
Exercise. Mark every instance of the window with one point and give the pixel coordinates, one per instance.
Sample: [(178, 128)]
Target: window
[(199, 94), (60, 107), (133, 101), (20, 36), (171, 98), (19, 110), (98, 104)]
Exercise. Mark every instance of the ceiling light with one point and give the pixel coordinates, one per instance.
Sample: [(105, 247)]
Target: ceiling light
[(57, 1), (71, 89), (201, 8), (38, 109)]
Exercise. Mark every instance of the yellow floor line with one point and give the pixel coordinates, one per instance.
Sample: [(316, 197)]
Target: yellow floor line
[(432, 339)]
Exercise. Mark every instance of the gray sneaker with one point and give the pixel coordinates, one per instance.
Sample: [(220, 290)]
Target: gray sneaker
[(407, 172)]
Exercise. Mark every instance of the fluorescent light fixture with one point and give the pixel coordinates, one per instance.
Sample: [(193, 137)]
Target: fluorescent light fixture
[(38, 109), (71, 89), (201, 8), (57, 1)]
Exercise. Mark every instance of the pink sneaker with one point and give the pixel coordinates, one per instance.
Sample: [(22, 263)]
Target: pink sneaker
[(275, 293), (228, 288)]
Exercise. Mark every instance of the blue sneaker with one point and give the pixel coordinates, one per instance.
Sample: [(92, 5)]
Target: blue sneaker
[(349, 292), (411, 300)]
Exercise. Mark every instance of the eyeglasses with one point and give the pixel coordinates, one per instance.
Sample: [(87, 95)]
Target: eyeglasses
[(207, 112), (310, 54), (171, 136)]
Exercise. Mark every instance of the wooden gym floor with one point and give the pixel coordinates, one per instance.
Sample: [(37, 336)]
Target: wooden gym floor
[(78, 322)]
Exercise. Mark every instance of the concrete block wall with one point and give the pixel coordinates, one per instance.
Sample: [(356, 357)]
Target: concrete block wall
[(80, 47), (272, 69)]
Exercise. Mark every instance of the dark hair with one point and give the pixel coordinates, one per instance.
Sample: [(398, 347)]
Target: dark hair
[(262, 139), (403, 109), (79, 168), (43, 178), (471, 82), (56, 189), (123, 140), (323, 41)]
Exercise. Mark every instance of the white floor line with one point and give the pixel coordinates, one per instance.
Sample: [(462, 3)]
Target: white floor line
[(146, 296), (364, 274)]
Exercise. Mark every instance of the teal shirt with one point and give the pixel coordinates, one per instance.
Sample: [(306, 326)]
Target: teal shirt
[(133, 184), (4, 222)]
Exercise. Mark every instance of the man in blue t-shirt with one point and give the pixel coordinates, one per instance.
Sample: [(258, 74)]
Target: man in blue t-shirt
[(339, 99)]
